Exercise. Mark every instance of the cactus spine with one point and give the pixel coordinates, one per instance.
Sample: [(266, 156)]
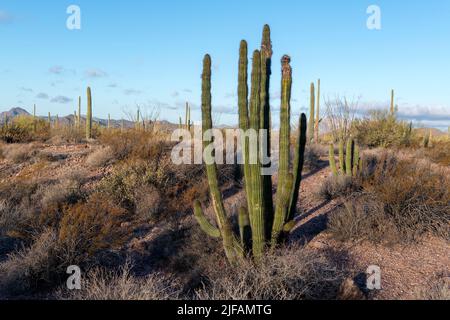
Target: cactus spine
[(89, 115), (312, 114), (256, 218)]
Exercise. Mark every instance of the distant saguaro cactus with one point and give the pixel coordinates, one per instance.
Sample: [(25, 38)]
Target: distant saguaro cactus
[(317, 124), (79, 113), (392, 102), (89, 115), (312, 114)]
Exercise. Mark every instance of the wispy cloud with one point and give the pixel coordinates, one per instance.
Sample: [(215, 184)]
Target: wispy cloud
[(113, 85), (175, 94), (95, 73), (132, 92), (61, 100), (5, 17), (56, 70), (24, 89), (42, 95), (187, 90)]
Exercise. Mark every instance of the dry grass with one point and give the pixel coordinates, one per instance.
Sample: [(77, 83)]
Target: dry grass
[(122, 285), (19, 153), (401, 200), (290, 274), (436, 290), (100, 157)]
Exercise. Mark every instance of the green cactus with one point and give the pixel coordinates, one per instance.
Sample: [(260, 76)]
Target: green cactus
[(34, 119), (254, 219), (349, 158), (392, 102), (317, 124), (109, 121), (353, 161), (311, 113), (89, 115), (332, 161), (341, 157), (49, 119), (79, 113)]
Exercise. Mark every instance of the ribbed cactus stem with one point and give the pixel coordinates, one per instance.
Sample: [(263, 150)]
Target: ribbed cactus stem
[(392, 102), (79, 113), (89, 115), (355, 159), (49, 119), (341, 156), (312, 114), (299, 159), (282, 204), (205, 225), (332, 160), (266, 72), (244, 228), (257, 211), (317, 124), (211, 169), (244, 122), (348, 157)]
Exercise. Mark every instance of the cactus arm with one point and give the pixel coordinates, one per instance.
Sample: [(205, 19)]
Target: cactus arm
[(299, 159), (284, 145), (348, 157), (243, 117), (211, 169), (266, 72), (257, 212), (282, 209), (205, 225), (332, 161)]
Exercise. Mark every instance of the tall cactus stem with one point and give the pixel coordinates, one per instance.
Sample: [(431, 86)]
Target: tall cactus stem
[(89, 114), (332, 160), (312, 114)]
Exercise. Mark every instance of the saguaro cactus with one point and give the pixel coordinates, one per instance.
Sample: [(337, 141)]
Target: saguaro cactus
[(312, 114), (392, 102), (317, 124), (109, 121), (89, 115), (254, 219), (79, 113)]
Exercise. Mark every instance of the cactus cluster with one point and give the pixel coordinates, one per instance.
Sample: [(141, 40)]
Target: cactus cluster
[(187, 125), (261, 224), (350, 161)]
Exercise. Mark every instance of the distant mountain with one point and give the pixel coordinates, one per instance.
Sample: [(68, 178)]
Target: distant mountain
[(14, 112), (70, 119)]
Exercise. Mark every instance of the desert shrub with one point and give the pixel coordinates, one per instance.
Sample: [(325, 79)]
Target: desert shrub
[(24, 129), (148, 203), (293, 273), (18, 153), (336, 187), (382, 129), (401, 198), (63, 134), (93, 226), (32, 268), (438, 152), (133, 143), (313, 153), (121, 285), (100, 157)]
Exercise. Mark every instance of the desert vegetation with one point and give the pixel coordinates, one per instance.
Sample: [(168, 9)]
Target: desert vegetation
[(107, 197)]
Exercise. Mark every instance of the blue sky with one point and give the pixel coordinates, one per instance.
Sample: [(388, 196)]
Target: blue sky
[(150, 53)]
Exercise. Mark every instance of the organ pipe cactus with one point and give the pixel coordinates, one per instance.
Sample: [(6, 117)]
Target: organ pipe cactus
[(352, 163), (89, 115), (257, 216)]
